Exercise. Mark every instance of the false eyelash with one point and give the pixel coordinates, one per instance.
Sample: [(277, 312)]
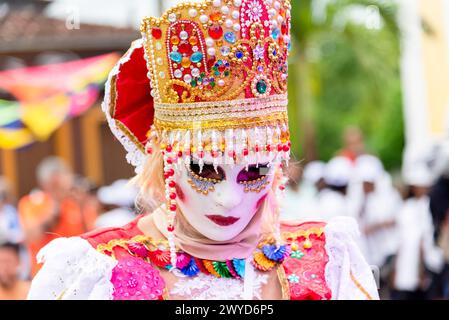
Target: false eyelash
[(255, 185), (253, 174), (209, 170), (200, 184)]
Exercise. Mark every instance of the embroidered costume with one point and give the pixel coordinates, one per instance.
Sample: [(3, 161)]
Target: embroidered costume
[(207, 85), (324, 263)]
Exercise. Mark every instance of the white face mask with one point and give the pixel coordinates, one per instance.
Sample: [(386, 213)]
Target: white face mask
[(223, 213)]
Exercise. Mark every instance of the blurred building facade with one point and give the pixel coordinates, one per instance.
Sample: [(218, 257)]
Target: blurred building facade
[(29, 37), (425, 73)]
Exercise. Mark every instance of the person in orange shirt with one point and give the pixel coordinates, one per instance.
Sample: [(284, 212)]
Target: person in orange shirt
[(55, 210), (353, 143)]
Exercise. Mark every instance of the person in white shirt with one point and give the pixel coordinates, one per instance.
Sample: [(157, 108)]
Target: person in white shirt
[(333, 200), (376, 204), (417, 251)]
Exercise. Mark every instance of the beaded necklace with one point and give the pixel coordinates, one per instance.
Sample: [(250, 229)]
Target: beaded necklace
[(267, 256)]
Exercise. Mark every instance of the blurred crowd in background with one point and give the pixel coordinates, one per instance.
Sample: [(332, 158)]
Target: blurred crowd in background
[(403, 221), (382, 65), (63, 204)]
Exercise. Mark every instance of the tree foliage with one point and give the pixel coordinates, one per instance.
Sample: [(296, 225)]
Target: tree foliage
[(342, 72)]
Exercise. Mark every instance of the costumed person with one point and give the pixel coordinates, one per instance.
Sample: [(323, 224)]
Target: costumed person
[(208, 133), (417, 253), (301, 194)]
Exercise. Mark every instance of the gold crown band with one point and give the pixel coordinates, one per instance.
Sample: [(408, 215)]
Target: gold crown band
[(218, 111), (251, 104), (190, 116), (271, 119)]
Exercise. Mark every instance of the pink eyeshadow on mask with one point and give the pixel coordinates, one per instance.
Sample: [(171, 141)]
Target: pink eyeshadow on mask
[(180, 193), (260, 201)]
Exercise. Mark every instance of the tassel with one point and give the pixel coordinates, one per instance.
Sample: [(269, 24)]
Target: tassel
[(200, 150), (256, 147), (214, 152), (269, 145), (187, 151)]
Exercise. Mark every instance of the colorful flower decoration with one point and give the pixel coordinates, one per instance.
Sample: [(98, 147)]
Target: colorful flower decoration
[(293, 278), (239, 266), (191, 269), (145, 250), (297, 254), (231, 268), (222, 269), (275, 253), (138, 249), (262, 263), (183, 260), (160, 258)]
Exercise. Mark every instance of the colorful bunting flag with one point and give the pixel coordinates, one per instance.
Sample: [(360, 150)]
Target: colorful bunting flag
[(47, 96)]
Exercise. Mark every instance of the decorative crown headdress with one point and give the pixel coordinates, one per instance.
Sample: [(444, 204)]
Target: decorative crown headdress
[(217, 74), (206, 79)]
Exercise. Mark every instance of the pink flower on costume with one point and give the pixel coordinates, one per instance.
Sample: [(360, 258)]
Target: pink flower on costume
[(135, 279), (138, 249), (183, 260)]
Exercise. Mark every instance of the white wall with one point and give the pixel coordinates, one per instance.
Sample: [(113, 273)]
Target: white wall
[(412, 74), (120, 13), (420, 138)]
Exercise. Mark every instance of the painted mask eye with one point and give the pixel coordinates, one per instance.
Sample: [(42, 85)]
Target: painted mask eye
[(204, 181), (255, 179), (253, 174), (208, 172)]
